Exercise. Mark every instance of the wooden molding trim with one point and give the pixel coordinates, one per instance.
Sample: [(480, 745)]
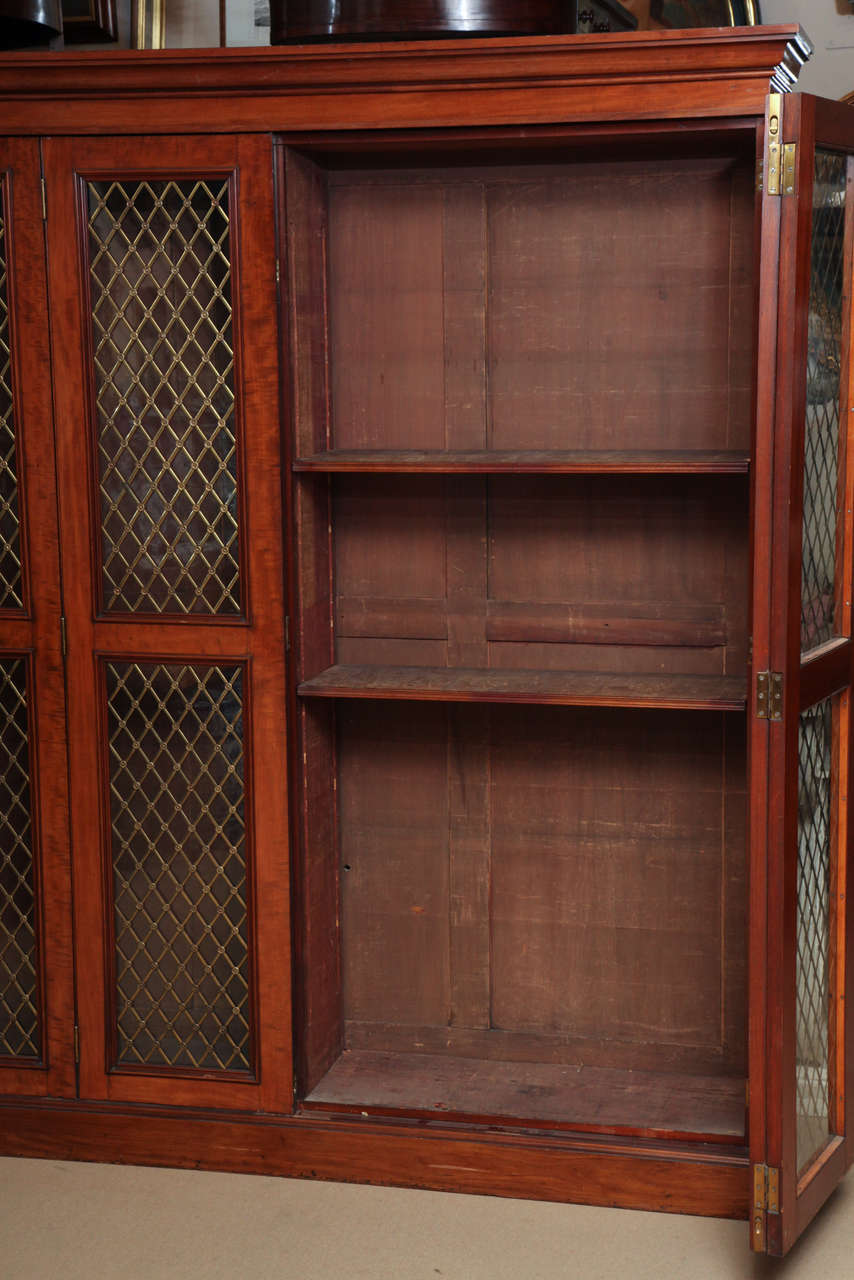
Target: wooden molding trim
[(650, 74), (520, 1166)]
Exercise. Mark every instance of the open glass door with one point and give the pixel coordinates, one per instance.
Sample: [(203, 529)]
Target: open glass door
[(801, 1066)]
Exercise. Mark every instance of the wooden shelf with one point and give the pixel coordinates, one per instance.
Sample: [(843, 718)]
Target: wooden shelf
[(534, 461), (561, 688), (709, 1108)]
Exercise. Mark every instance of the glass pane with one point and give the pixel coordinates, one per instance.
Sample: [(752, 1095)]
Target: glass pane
[(821, 451), (11, 596), (20, 1034), (179, 865), (164, 379), (815, 751)]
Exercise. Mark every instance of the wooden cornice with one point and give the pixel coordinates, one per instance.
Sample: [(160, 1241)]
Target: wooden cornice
[(636, 75)]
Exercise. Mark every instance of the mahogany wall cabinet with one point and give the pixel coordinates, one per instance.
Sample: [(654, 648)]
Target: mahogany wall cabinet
[(425, 642)]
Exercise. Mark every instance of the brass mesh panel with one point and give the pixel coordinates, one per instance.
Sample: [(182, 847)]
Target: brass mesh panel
[(819, 595), (11, 590), (20, 1033), (164, 374), (815, 743), (179, 865)]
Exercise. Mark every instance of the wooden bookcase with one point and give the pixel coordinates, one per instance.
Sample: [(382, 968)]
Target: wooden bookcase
[(428, 655)]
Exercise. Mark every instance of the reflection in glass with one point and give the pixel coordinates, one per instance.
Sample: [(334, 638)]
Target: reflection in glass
[(815, 742), (824, 364)]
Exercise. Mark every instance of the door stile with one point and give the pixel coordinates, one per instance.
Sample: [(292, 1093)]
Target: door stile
[(30, 634), (117, 648), (762, 512), (809, 818)]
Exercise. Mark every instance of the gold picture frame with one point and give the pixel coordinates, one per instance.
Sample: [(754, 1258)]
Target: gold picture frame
[(148, 24)]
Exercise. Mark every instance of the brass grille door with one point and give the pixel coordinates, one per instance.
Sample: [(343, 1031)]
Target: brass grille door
[(36, 994), (171, 526), (806, 723)]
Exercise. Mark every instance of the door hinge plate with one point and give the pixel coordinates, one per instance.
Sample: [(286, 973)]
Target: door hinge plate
[(769, 695), (774, 161), (63, 636), (773, 158), (790, 167), (77, 1046), (44, 199), (766, 1199), (782, 168)]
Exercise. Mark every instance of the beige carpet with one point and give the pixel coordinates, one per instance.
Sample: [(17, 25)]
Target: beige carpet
[(72, 1221)]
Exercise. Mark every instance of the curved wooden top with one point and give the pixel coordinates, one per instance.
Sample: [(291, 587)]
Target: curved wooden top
[(717, 72)]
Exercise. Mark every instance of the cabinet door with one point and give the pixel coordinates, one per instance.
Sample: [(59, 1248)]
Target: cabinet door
[(162, 284), (36, 986), (802, 1051)]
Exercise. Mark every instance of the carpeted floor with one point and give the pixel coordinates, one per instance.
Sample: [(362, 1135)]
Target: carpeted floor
[(76, 1221)]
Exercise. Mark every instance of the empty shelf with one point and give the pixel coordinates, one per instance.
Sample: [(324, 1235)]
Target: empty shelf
[(710, 1107), (485, 461), (563, 688)]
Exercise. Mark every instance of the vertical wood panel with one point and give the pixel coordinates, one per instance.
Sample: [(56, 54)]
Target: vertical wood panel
[(38, 632)]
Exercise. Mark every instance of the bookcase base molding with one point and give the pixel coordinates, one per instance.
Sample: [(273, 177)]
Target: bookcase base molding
[(651, 1176)]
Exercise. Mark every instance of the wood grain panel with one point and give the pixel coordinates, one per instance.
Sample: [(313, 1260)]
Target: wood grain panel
[(387, 317), (610, 328), (583, 842), (585, 1170), (613, 1101), (394, 857)]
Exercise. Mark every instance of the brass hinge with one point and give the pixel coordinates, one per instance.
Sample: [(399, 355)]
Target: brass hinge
[(766, 1199), (44, 200), (63, 636), (77, 1045), (278, 272), (775, 111), (790, 167), (769, 695)]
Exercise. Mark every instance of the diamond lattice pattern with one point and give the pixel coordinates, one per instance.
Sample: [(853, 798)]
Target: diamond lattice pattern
[(20, 1033), (821, 447), (10, 550), (164, 377), (179, 865), (813, 930)]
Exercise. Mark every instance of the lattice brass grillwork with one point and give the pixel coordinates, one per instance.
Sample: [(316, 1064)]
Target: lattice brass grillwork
[(815, 745), (821, 451), (164, 376), (11, 588), (179, 865), (20, 1031)]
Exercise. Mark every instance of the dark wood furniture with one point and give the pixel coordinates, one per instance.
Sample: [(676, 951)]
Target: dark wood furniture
[(426, 651), (301, 20)]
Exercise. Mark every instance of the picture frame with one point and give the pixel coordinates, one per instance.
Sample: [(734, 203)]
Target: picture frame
[(88, 21), (706, 13), (148, 24)]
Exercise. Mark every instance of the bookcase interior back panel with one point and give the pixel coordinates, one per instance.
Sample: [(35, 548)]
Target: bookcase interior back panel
[(591, 306), (619, 574)]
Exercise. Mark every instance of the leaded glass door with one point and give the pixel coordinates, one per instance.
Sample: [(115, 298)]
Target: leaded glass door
[(803, 713), (171, 528), (36, 981)]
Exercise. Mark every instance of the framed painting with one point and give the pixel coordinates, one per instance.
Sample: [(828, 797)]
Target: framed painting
[(85, 21), (706, 13)]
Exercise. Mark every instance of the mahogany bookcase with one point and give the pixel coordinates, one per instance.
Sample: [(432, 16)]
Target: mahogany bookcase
[(425, 642)]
